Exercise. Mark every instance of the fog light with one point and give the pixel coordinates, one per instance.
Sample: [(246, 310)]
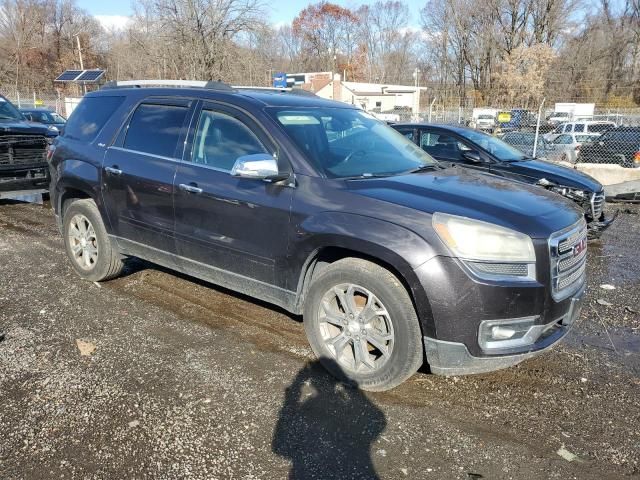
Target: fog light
[(502, 333), (495, 335)]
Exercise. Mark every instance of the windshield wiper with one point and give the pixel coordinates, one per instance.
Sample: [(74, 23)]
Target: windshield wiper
[(424, 168)]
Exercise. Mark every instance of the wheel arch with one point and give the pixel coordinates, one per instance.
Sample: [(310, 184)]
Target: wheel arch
[(328, 253)]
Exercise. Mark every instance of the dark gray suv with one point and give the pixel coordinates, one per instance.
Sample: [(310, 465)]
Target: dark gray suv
[(317, 207)]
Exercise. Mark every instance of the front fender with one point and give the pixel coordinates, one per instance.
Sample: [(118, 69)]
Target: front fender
[(387, 242)]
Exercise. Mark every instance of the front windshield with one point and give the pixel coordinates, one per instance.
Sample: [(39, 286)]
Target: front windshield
[(496, 147), (345, 142), (8, 111)]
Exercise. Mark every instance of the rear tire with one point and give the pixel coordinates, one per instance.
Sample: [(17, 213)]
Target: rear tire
[(87, 244), (361, 324)]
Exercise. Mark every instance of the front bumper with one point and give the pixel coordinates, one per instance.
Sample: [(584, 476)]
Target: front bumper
[(453, 358), (32, 177), (595, 228)]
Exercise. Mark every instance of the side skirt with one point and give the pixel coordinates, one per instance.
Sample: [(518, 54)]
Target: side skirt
[(224, 278)]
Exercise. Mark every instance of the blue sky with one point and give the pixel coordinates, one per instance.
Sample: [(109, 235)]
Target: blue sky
[(282, 11)]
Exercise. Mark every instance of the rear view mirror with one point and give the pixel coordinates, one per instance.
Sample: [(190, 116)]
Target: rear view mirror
[(260, 166), (472, 156)]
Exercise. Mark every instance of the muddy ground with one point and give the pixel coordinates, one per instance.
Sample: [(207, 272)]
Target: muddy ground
[(190, 381)]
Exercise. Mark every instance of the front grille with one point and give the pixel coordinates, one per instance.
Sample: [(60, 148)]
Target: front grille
[(597, 203), (509, 269), (568, 255), (16, 150)]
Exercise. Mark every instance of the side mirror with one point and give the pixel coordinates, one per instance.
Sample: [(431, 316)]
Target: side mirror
[(472, 156), (259, 166)]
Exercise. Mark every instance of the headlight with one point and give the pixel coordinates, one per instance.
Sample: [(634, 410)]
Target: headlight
[(572, 193), (53, 128), (491, 252)]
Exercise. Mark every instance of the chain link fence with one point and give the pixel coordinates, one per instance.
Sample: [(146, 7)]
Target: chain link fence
[(53, 101), (570, 133)]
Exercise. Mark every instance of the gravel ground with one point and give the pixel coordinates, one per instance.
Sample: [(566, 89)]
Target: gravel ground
[(190, 381)]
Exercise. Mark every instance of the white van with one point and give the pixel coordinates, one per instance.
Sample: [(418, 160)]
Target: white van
[(584, 127)]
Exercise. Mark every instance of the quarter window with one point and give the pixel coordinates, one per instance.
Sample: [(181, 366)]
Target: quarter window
[(90, 116), (220, 139), (155, 129)]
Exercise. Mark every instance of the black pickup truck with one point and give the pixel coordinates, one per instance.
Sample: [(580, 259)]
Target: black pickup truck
[(23, 150)]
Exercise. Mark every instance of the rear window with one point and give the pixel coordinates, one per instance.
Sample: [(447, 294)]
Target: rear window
[(89, 117), (155, 129)]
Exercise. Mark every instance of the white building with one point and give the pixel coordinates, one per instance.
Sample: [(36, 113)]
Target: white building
[(369, 96)]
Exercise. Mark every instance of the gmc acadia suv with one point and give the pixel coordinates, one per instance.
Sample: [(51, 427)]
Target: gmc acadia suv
[(320, 208)]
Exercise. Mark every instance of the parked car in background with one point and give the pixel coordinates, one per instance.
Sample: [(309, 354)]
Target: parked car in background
[(476, 150), (23, 149), (586, 127), (556, 118), (620, 146), (46, 117), (486, 122), (565, 147), (524, 141), (318, 207)]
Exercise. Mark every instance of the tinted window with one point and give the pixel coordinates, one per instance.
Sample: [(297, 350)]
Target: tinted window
[(599, 127), (513, 138), (155, 129), (407, 133), (442, 146), (499, 149), (221, 139), (622, 136), (579, 127), (89, 117)]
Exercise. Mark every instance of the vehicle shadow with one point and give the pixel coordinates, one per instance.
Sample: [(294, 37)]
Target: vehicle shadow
[(327, 427)]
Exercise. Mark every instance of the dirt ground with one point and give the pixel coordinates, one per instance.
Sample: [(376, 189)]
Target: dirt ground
[(190, 381)]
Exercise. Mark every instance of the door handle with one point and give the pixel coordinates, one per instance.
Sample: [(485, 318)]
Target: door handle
[(193, 188), (113, 170)]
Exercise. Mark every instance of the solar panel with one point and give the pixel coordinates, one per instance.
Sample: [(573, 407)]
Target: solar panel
[(69, 76), (90, 76)]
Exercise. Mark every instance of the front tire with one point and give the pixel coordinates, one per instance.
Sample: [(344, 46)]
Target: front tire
[(361, 324), (87, 244)]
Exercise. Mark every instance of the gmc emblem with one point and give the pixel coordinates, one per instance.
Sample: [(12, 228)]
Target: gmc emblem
[(579, 247)]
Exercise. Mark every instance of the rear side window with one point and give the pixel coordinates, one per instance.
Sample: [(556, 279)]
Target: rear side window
[(155, 129), (89, 117), (579, 127), (599, 127)]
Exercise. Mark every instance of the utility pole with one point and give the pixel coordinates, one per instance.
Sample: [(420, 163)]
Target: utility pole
[(77, 35), (416, 95)]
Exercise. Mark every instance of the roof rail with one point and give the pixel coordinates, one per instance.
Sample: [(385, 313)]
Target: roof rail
[(292, 90), (168, 83)]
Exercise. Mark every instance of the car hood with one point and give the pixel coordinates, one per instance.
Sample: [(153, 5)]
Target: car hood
[(8, 127), (458, 191), (567, 177)]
